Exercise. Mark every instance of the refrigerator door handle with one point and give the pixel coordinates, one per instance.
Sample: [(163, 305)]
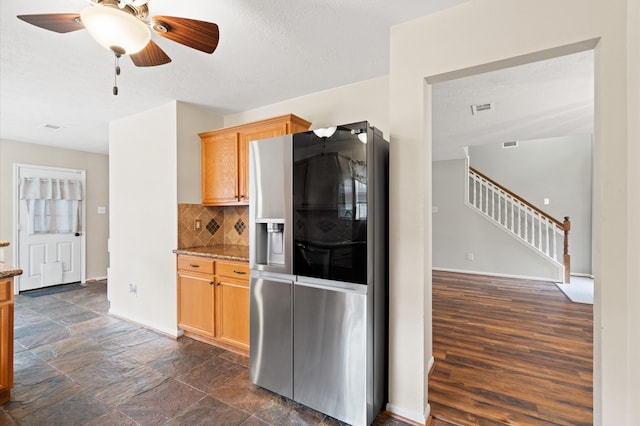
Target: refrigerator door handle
[(331, 285)]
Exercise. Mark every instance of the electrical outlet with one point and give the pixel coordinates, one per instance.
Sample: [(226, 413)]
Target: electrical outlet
[(198, 224), (469, 256), (133, 289)]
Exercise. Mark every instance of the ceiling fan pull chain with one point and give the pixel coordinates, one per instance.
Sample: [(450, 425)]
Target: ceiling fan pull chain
[(116, 74)]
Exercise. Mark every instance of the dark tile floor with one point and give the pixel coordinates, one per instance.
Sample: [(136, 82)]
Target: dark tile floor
[(76, 365)]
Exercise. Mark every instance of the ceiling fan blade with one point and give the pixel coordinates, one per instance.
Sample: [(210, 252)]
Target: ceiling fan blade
[(192, 33), (150, 56), (58, 22)]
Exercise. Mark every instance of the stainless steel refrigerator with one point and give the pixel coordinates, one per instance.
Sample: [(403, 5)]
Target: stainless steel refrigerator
[(319, 269)]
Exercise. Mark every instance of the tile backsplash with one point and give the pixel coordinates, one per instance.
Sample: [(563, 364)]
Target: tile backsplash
[(218, 225)]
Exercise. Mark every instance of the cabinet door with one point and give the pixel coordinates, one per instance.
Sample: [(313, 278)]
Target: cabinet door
[(246, 136), (6, 350), (233, 311), (196, 303), (219, 157)]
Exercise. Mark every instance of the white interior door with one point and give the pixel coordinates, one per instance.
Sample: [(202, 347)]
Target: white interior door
[(49, 259)]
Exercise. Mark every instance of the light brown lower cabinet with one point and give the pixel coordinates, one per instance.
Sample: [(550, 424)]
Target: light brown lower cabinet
[(6, 338), (213, 301), (232, 297)]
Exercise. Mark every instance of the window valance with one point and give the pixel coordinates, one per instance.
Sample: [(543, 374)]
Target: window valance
[(53, 205), (50, 189)]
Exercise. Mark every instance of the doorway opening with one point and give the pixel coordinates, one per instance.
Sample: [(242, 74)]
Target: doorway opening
[(530, 116)]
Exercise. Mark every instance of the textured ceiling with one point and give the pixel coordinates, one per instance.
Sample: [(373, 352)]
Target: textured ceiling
[(545, 99), (268, 52)]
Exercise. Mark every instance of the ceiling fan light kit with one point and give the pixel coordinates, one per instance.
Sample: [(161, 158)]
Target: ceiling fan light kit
[(115, 29)]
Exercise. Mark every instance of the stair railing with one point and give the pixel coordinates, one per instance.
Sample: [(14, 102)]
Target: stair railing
[(520, 218)]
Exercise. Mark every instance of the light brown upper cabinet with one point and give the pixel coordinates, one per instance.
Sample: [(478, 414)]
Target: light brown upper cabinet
[(225, 157)]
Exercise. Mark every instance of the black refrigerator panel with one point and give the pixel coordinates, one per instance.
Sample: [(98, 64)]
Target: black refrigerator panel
[(330, 205)]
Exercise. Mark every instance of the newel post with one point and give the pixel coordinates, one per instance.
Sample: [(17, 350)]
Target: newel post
[(566, 225)]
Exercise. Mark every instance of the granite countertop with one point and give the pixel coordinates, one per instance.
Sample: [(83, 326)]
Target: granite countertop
[(219, 251), (7, 271)]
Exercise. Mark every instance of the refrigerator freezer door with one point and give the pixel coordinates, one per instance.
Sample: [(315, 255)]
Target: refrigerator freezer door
[(330, 362), (270, 229), (271, 333)]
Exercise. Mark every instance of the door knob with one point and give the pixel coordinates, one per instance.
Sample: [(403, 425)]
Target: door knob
[(77, 234)]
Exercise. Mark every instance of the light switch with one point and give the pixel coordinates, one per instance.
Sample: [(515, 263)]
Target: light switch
[(434, 209), (102, 210), (545, 201)]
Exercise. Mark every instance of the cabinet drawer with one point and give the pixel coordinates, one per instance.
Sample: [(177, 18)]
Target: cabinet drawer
[(195, 264), (6, 290), (233, 270)]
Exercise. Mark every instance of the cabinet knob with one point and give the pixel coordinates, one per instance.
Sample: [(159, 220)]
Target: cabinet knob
[(218, 283), (242, 196), (210, 282)]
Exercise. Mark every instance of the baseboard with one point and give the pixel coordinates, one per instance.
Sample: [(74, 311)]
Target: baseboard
[(93, 280), (174, 334), (408, 416), (495, 274)]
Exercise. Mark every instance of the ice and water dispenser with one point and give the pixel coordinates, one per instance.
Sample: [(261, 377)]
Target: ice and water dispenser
[(270, 246)]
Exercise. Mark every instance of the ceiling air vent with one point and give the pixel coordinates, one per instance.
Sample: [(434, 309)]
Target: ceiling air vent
[(50, 126), (513, 144), (478, 108)]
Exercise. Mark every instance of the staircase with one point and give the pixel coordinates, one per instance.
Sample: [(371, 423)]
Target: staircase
[(521, 219)]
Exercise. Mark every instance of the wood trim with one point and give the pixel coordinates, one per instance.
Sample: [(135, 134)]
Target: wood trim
[(257, 124), (519, 198)]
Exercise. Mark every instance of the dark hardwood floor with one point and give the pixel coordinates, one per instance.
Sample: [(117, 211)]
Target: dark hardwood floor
[(509, 352)]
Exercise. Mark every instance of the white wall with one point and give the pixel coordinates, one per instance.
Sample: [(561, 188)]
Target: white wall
[(633, 250), (556, 168), (459, 230), (191, 121), (367, 100), (145, 168), (143, 196), (481, 36), (97, 167)]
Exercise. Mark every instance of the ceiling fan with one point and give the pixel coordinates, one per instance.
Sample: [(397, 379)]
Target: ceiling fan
[(122, 27)]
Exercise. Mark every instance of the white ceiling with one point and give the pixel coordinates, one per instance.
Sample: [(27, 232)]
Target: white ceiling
[(544, 99), (268, 52)]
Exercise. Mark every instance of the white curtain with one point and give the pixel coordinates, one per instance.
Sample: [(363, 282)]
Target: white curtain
[(53, 205)]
